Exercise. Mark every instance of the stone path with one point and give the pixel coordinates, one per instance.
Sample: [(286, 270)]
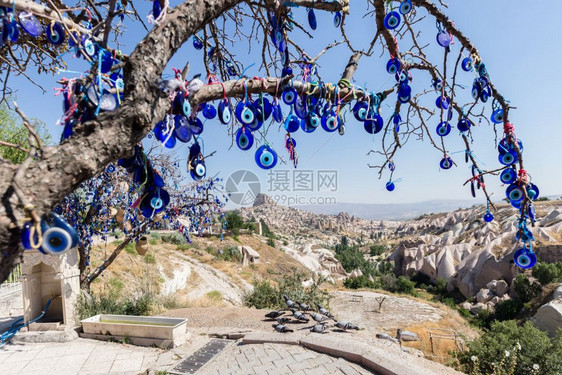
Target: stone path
[(278, 359), (81, 356)]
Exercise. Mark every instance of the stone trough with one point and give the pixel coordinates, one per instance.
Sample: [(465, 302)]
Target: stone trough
[(137, 330)]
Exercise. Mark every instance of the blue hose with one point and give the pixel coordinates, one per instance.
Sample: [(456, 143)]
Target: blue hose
[(16, 326)]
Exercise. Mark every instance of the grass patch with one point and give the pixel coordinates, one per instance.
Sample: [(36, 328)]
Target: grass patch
[(149, 258)]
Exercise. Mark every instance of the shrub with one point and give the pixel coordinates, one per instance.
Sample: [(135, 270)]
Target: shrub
[(234, 222), (130, 248), (498, 349), (230, 254), (270, 241), (155, 235), (405, 285), (507, 310), (153, 241), (113, 303), (377, 250), (149, 258), (174, 238), (548, 273), (526, 290), (266, 295), (358, 282)]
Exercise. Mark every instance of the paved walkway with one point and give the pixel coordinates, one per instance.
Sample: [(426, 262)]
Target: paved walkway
[(277, 359), (81, 356)]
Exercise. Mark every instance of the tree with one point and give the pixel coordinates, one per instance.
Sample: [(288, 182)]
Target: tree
[(106, 203), (118, 102)]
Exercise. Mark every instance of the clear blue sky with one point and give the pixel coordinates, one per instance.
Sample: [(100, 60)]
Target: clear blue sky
[(520, 44)]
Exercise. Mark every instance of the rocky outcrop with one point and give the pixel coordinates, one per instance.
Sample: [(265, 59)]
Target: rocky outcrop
[(549, 316)]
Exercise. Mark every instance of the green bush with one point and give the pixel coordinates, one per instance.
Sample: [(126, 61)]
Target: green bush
[(230, 254), (174, 238), (359, 282), (352, 258), (526, 290), (548, 273), (270, 241), (405, 285), (497, 351), (153, 241), (155, 235), (266, 295), (507, 310), (375, 250), (234, 222), (113, 302)]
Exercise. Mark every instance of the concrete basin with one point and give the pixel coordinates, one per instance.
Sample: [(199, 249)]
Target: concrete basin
[(138, 330)]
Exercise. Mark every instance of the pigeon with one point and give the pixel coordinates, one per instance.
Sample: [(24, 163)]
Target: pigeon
[(318, 328), (317, 317), (289, 303), (325, 312), (283, 320), (300, 316), (346, 325), (303, 306), (274, 314), (282, 328)]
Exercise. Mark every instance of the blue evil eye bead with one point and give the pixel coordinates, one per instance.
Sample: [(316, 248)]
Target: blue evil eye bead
[(266, 158), (533, 191), (185, 105), (244, 139), (106, 59), (197, 42), (10, 31), (26, 234), (443, 39), (224, 112), (58, 237), (396, 119), (313, 120), (390, 186), (508, 175), (508, 158), (437, 84), (482, 72), (360, 110), (306, 127), (182, 133), (404, 90), (402, 76), (497, 116), (170, 140), (55, 33), (393, 65), (525, 258), (466, 64), (198, 169), (476, 88), (464, 125), (488, 217), (196, 126), (277, 112), (443, 129), (88, 46), (286, 71), (110, 168), (265, 106), (209, 111), (337, 19), (405, 7), (292, 123), (156, 9), (485, 94), (446, 163), (505, 145), (231, 69), (374, 125), (330, 122), (312, 19), (290, 143), (524, 235), (30, 24), (289, 95), (514, 193), (442, 102), (392, 20)]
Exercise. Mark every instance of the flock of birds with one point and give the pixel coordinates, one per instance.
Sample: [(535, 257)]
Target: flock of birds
[(299, 312)]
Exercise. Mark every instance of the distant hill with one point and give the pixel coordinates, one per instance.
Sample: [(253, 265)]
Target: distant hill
[(393, 211)]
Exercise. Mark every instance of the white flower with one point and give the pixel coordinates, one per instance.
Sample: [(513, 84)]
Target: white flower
[(507, 353), (535, 367), (518, 345), (473, 358)]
